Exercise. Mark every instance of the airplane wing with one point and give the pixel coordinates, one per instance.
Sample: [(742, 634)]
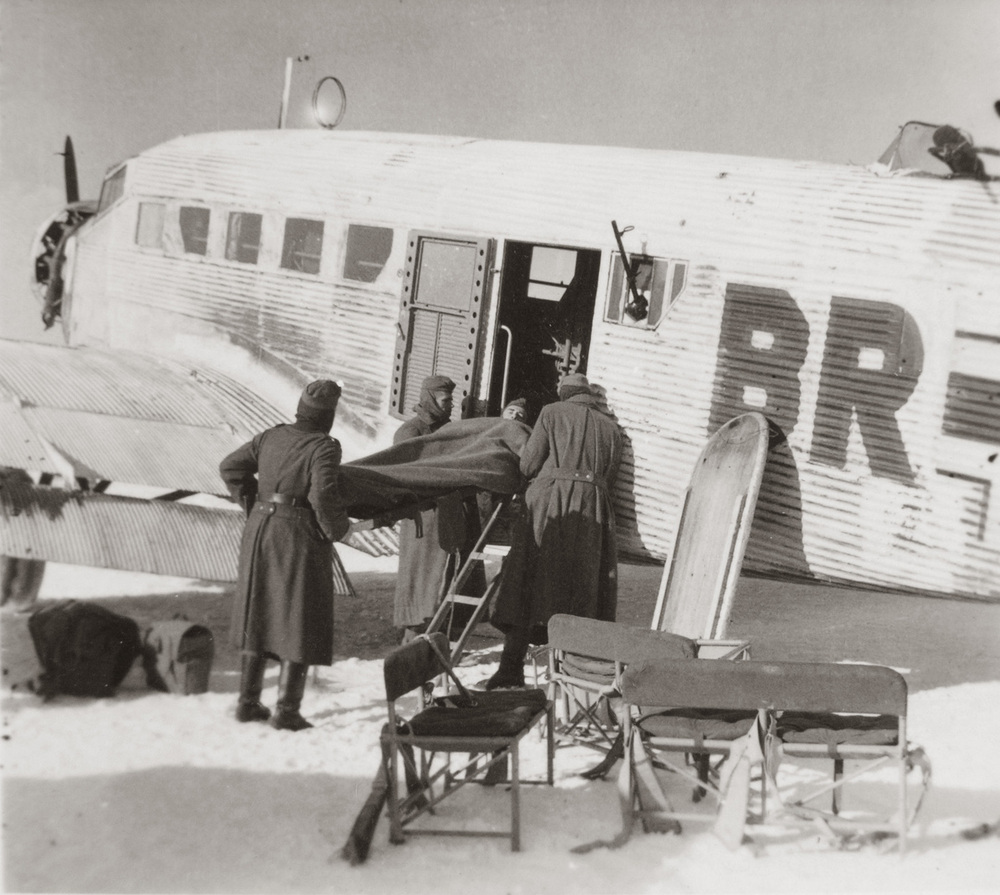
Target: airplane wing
[(92, 417), (106, 531), (109, 417)]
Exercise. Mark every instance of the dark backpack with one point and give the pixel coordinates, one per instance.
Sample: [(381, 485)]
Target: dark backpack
[(84, 649)]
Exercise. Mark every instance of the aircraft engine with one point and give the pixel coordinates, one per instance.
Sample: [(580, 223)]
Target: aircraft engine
[(48, 251)]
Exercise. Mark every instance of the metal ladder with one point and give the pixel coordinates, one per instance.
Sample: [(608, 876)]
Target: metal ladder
[(452, 597)]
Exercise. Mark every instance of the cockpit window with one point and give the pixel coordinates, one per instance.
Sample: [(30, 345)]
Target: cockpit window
[(941, 150), (112, 189)]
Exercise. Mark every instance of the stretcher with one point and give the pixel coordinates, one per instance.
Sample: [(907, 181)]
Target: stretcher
[(443, 470), (762, 715)]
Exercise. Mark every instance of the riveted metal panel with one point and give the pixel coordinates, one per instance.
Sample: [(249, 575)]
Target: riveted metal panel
[(20, 446), (751, 231), (110, 416), (440, 317), (118, 533), (156, 537), (132, 451), (375, 541)]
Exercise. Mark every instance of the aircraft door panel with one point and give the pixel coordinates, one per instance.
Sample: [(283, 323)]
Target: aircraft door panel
[(440, 318)]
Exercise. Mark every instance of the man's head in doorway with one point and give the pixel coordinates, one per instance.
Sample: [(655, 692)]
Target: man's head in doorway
[(573, 384), (436, 397)]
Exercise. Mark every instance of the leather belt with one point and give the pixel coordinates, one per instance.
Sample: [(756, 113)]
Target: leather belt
[(287, 499), (573, 475)]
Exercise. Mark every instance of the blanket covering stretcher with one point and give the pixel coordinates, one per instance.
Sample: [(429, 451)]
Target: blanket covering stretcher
[(483, 454)]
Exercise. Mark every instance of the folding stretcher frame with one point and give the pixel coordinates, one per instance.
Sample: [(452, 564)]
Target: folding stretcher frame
[(489, 733), (810, 709), (586, 658)]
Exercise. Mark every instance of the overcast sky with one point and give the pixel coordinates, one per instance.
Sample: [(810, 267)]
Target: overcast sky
[(828, 80)]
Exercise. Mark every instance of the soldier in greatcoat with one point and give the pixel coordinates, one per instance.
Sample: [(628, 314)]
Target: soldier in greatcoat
[(422, 562), (564, 556), (287, 478)]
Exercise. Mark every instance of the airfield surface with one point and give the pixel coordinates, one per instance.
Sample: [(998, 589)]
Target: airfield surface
[(935, 642), (150, 792)]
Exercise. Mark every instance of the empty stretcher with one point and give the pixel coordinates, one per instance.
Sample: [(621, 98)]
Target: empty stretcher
[(765, 717), (586, 658), (420, 743)]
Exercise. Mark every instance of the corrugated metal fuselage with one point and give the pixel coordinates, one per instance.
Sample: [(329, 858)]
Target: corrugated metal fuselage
[(860, 313)]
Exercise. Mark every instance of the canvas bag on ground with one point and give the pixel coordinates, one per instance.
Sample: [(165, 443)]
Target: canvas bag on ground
[(84, 649), (177, 656)]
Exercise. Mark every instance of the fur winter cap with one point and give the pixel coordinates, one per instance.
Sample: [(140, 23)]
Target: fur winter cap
[(436, 384), (573, 384), (323, 394)]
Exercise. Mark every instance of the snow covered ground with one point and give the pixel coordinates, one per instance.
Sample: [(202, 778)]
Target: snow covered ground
[(150, 792)]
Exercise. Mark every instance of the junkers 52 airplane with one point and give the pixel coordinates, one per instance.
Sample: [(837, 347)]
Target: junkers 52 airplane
[(858, 308)]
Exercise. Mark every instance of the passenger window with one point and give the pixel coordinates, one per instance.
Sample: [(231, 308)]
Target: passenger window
[(303, 245), (194, 229), (658, 281), (552, 271), (368, 249), (149, 230), (243, 237)]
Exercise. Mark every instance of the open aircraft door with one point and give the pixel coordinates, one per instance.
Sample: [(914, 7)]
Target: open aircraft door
[(441, 315), (545, 316)]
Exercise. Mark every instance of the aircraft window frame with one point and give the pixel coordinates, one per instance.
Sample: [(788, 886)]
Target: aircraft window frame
[(551, 262), (112, 189), (149, 226), (446, 270), (194, 222), (294, 254), (240, 246), (659, 280), (366, 252), (932, 150)]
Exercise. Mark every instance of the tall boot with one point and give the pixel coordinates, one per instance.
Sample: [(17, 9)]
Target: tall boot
[(291, 688), (249, 707), (511, 671)]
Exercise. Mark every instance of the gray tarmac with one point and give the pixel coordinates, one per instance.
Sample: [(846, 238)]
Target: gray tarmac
[(935, 641)]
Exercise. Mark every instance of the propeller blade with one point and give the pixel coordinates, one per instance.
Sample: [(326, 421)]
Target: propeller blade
[(69, 173)]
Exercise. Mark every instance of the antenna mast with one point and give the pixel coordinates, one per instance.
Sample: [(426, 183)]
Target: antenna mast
[(283, 114), (289, 62)]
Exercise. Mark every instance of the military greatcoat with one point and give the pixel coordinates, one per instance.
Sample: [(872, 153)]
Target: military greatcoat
[(284, 592), (422, 563), (565, 558)]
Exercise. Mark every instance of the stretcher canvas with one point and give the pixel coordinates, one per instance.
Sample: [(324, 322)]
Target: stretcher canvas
[(482, 454)]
